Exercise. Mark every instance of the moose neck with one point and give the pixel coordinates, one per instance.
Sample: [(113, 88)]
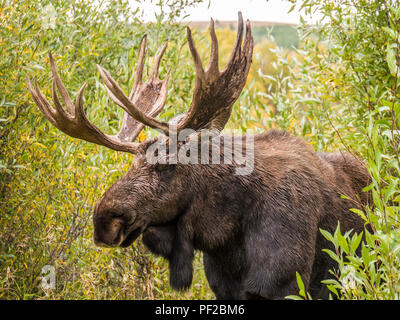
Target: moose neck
[(212, 214)]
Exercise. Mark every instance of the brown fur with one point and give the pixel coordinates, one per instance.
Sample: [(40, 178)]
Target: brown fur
[(255, 231)]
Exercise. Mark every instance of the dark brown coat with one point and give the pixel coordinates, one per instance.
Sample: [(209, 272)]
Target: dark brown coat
[(255, 231)]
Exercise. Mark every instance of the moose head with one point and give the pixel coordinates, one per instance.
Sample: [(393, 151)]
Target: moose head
[(150, 193)]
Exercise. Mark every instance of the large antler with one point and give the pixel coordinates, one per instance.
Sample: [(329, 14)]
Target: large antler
[(215, 91), (214, 95), (150, 96)]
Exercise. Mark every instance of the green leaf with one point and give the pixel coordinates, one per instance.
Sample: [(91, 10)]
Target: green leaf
[(294, 297), (391, 60), (333, 255), (343, 243), (327, 235), (365, 255), (360, 213), (300, 284), (356, 242)]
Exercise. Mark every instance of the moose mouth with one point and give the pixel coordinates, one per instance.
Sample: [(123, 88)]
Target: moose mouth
[(132, 236)]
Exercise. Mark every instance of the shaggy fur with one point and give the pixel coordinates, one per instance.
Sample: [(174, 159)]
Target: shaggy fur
[(255, 231)]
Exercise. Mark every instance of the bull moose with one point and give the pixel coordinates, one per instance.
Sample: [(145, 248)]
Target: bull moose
[(255, 230)]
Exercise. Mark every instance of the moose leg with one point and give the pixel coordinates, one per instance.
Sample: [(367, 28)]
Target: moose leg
[(181, 263), (224, 286)]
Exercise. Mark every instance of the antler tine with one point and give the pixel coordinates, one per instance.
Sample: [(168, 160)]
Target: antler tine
[(54, 115), (196, 57), (213, 63), (57, 103), (140, 66), (212, 67), (60, 86), (235, 54), (248, 45), (36, 94), (154, 74)]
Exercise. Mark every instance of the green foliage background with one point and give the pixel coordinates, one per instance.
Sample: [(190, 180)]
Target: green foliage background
[(336, 84)]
